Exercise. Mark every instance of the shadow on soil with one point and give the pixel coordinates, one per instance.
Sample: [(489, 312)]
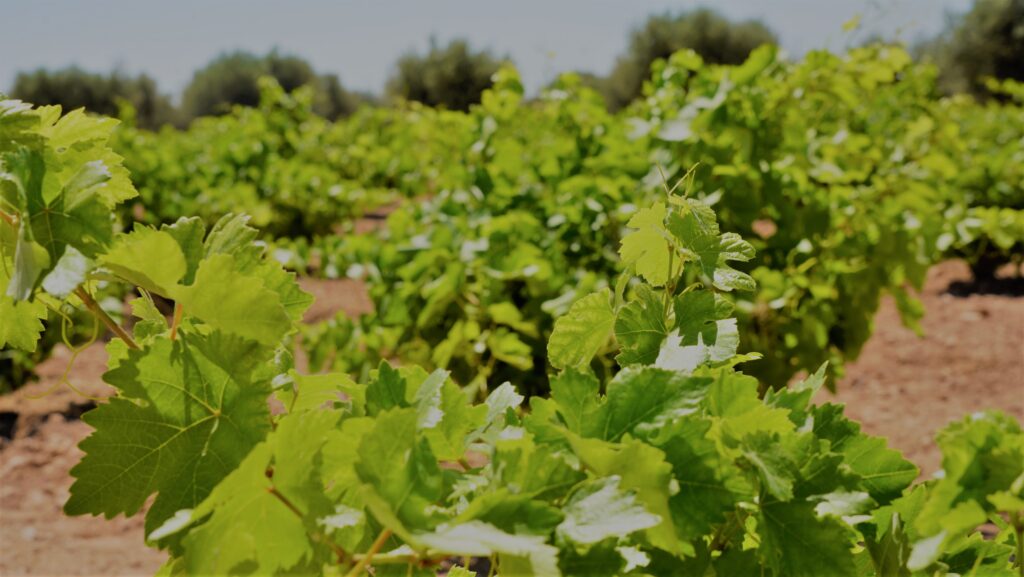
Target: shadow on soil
[(1001, 286)]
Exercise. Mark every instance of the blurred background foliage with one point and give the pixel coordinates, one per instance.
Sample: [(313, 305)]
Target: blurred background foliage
[(985, 43), (452, 76), (988, 42), (100, 93)]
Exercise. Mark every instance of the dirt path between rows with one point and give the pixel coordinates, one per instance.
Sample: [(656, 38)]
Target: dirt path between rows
[(903, 387)]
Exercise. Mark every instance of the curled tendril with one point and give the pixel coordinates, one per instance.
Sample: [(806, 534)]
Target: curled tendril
[(66, 323)]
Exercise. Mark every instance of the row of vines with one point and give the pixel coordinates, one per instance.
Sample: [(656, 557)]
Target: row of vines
[(588, 330)]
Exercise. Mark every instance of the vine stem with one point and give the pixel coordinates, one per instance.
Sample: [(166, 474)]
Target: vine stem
[(319, 537), (8, 219), (178, 310), (98, 311), (363, 562)]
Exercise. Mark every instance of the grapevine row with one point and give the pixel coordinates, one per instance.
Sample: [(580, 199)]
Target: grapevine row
[(674, 463)]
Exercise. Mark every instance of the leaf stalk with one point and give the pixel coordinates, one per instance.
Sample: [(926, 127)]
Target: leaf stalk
[(101, 314), (365, 560)]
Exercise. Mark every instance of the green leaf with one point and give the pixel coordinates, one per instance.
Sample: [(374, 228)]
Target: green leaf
[(641, 468), (30, 261), (883, 471), (601, 560), (513, 513), (275, 279), (698, 316), (187, 415), (249, 527), (78, 127), (256, 513), (849, 505), (797, 397), (427, 399), (500, 401), (889, 544), (709, 483), (773, 465), (645, 399), (188, 233), (310, 392), (599, 509), (647, 249), (696, 229), (386, 391), (581, 333), (399, 469), (459, 418), (20, 323), (340, 453), (520, 554), (235, 303), (733, 398), (532, 469), (641, 328), (577, 395), (685, 358), (151, 321), (230, 235), (979, 556), (69, 272), (147, 258), (983, 457), (459, 571), (507, 314), (57, 220), (795, 542), (507, 348)]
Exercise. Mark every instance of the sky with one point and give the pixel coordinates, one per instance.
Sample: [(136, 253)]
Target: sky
[(360, 40)]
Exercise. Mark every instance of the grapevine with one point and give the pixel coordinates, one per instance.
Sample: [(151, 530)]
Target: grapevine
[(680, 464)]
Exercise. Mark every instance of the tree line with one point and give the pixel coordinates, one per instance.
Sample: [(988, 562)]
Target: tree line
[(986, 42)]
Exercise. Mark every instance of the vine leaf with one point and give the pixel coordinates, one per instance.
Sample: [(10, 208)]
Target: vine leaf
[(249, 524), (187, 414), (581, 333), (709, 485), (696, 229), (676, 356), (641, 400), (147, 258), (20, 323), (641, 468), (797, 543), (234, 302), (310, 392), (647, 249), (641, 328), (188, 233), (253, 516), (401, 478), (883, 471), (600, 509), (698, 314), (577, 395), (519, 554)]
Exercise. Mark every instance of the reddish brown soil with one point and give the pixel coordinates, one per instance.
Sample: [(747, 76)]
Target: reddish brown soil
[(971, 358), (903, 387)]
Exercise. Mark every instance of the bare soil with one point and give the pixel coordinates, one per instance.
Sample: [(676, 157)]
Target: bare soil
[(971, 358), (903, 387)]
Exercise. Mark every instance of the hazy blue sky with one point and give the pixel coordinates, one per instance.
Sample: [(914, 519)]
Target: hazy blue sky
[(361, 39)]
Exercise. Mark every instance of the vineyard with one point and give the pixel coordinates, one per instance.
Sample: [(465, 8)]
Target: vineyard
[(593, 343)]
